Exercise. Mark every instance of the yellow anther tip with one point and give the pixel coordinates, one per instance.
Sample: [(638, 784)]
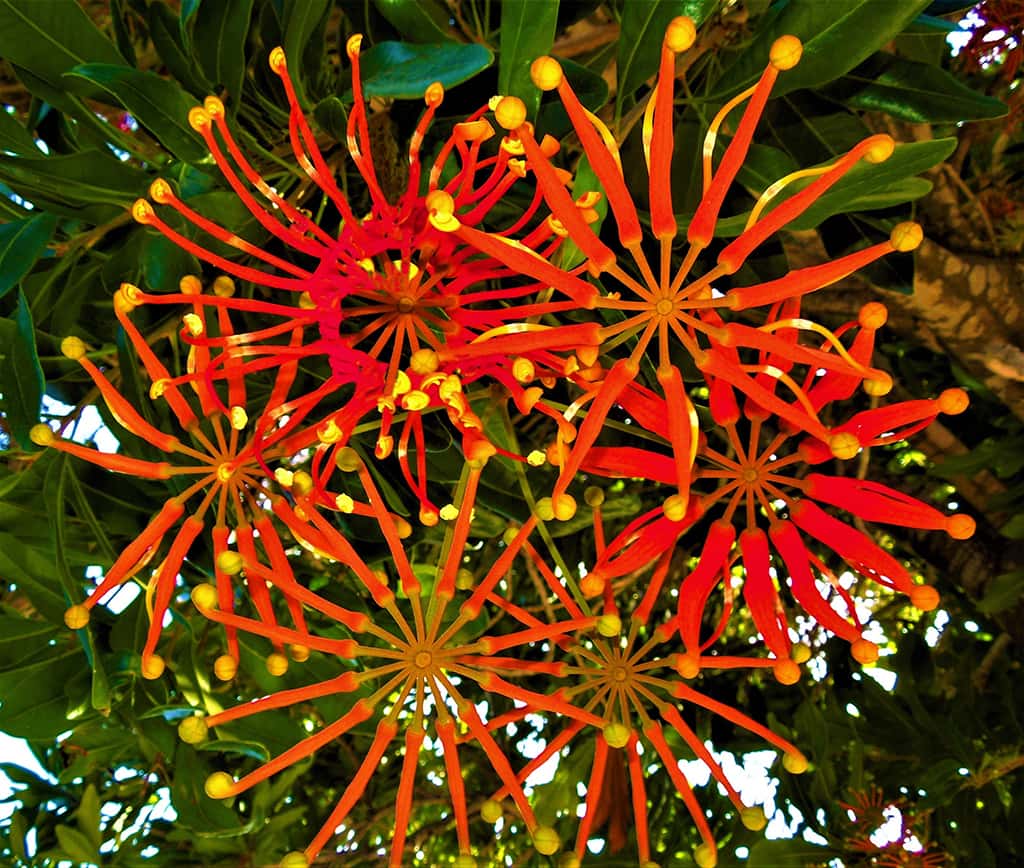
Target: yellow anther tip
[(616, 734), (193, 730), (878, 386), (924, 597), (880, 149), (592, 584), (754, 819), (593, 496), (219, 785), (295, 859), (190, 285), (193, 324), (277, 664), (873, 315), (449, 512), (490, 811), (563, 507), (41, 435), (960, 526), (864, 651), (609, 625), (354, 43), (680, 34), (800, 653), (674, 508), (785, 52), (688, 665), (348, 459), (298, 653), (76, 617), (952, 402), (223, 286), (536, 458), (214, 107), (786, 672), (546, 73), (238, 418), (142, 211), (705, 856), (794, 763), (277, 60), (546, 840), (198, 118), (510, 112), (302, 483), (523, 370), (230, 562), (152, 667), (844, 445), (906, 236), (225, 667), (434, 94), (204, 596), (160, 191)]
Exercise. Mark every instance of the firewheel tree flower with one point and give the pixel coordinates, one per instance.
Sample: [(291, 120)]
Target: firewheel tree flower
[(388, 288), (632, 686), (760, 481), (416, 669), (662, 305), (223, 484)]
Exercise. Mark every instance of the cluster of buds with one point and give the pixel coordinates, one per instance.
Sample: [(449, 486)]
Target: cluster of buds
[(432, 314)]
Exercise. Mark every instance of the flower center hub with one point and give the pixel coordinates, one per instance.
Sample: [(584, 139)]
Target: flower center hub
[(406, 304), (664, 307), (750, 475), (619, 673), (225, 471), (423, 659)]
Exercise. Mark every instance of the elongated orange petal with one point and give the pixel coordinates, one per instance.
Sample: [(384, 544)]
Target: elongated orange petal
[(403, 802)]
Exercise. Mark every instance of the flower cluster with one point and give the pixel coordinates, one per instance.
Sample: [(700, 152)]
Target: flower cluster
[(335, 354)]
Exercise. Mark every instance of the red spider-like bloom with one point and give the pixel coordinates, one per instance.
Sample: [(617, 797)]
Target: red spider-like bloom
[(214, 452), (436, 673), (391, 289), (634, 690), (663, 305)]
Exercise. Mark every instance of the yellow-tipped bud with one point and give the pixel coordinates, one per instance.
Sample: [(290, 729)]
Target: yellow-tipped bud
[(76, 617), (225, 667), (800, 653), (152, 667), (881, 149), (593, 496), (924, 597), (298, 653), (546, 73), (786, 672), (546, 841), (190, 285), (616, 734), (960, 526), (523, 370), (706, 856), (193, 730), (688, 665), (348, 459), (449, 512), (490, 811), (41, 435), (402, 527), (510, 112), (277, 664), (592, 584), (794, 763), (906, 236), (295, 859), (785, 52), (952, 402), (219, 785), (609, 625), (142, 211), (238, 418), (230, 562), (204, 596), (160, 192), (844, 445), (674, 507), (277, 60), (73, 348), (536, 458), (199, 118), (223, 286), (302, 483), (754, 819), (873, 315), (545, 510), (193, 324), (878, 385), (434, 94), (563, 506), (680, 34), (864, 652)]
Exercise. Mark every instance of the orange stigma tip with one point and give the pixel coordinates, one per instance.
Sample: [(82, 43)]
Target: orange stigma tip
[(864, 652), (706, 856), (616, 734), (214, 107), (142, 211), (198, 118), (873, 315), (76, 617), (428, 517), (193, 730), (924, 597), (844, 445), (204, 596), (688, 665), (434, 94), (952, 402), (592, 584), (960, 526), (152, 667), (680, 34), (278, 62), (786, 672), (881, 149), (546, 73), (277, 664), (219, 785), (225, 667), (546, 840), (906, 236), (160, 192), (510, 112), (785, 52)]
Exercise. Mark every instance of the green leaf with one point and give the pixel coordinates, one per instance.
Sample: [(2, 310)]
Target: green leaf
[(164, 30), (252, 749), (21, 244), (161, 106), (34, 699), (30, 569), (88, 816), (302, 41), (76, 846), (219, 38), (643, 29), (15, 138), (1014, 528), (836, 38), (48, 37), (402, 71), (527, 32), (1003, 592), (913, 91), (22, 376), (793, 853), (418, 20)]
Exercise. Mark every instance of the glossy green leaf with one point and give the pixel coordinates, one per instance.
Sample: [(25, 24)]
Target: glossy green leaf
[(794, 853), (913, 91), (252, 749), (302, 40), (34, 699), (158, 104), (402, 71), (1002, 593), (643, 29), (22, 376), (77, 846), (219, 39), (88, 816), (418, 20), (48, 37), (836, 38), (15, 138), (170, 44), (21, 244), (527, 31)]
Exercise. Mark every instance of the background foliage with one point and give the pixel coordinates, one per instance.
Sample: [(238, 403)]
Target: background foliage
[(96, 97)]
